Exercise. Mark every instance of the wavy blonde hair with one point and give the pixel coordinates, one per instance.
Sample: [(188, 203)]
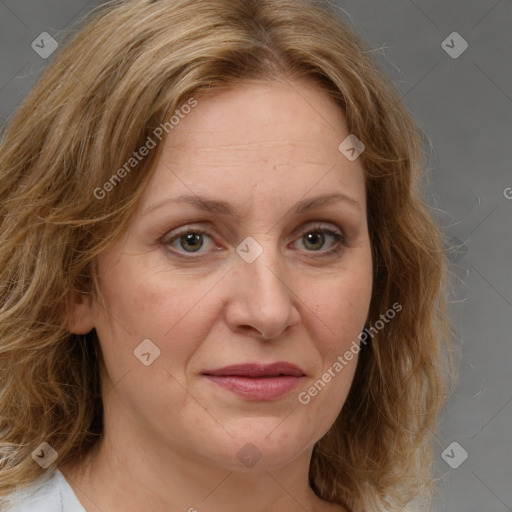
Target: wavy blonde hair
[(118, 78)]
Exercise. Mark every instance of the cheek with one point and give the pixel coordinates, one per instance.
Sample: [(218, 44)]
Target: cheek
[(339, 314), (168, 308), (341, 309)]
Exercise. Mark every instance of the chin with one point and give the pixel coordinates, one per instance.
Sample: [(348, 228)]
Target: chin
[(258, 444)]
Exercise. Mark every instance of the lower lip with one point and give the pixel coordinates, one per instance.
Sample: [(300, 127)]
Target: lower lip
[(257, 388)]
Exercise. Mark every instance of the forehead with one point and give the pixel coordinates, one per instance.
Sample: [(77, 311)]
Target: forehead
[(276, 140), (262, 115)]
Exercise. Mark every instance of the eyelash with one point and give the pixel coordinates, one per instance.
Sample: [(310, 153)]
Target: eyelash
[(339, 245)]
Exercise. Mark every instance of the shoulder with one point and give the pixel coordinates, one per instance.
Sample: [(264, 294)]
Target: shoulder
[(52, 495)]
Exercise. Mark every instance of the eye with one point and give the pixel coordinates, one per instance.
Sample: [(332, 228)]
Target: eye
[(315, 238), (188, 240)]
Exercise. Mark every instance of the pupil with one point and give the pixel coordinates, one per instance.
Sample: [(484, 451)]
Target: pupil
[(192, 239)]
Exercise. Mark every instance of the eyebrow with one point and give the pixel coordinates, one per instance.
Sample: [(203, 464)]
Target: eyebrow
[(223, 208)]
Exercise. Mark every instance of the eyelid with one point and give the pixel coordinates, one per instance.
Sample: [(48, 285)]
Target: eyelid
[(317, 226)]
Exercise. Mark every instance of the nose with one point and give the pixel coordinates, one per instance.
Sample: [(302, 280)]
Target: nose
[(262, 299)]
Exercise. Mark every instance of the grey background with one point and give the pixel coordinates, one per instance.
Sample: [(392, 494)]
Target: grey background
[(464, 105)]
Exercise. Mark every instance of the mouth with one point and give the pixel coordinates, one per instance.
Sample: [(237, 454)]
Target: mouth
[(257, 381)]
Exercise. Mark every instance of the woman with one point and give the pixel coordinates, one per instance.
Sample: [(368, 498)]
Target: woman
[(221, 286)]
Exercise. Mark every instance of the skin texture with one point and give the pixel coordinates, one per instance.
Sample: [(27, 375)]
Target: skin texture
[(171, 435)]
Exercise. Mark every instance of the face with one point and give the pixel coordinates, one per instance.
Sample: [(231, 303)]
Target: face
[(232, 260)]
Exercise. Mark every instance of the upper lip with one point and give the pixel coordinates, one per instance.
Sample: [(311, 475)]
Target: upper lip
[(257, 370)]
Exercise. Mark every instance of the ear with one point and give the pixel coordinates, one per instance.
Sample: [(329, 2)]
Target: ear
[(79, 314)]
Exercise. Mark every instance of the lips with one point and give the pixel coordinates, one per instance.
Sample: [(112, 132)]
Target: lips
[(257, 381), (258, 370)]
